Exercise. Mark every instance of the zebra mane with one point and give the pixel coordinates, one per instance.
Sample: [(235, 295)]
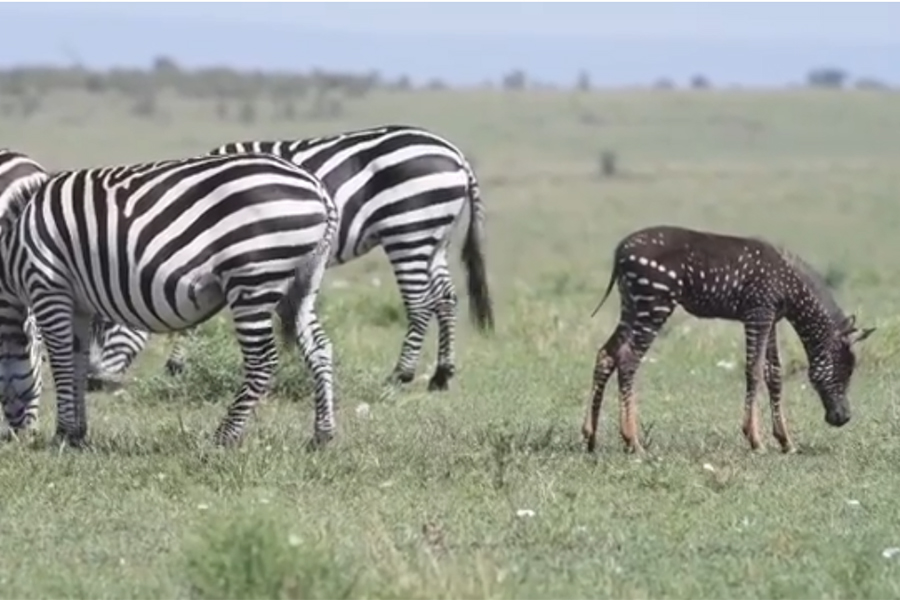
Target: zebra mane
[(16, 199), (815, 281)]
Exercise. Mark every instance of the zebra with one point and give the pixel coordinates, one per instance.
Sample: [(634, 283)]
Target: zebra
[(401, 187), (107, 355), (164, 246), (20, 356), (727, 277)]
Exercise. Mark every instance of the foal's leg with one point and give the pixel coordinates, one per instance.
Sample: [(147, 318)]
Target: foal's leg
[(604, 366), (650, 314), (773, 383), (757, 328)]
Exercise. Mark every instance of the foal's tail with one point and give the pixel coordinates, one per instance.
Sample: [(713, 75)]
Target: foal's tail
[(612, 280), (309, 273)]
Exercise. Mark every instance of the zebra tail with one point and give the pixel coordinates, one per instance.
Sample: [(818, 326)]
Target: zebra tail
[(612, 280), (480, 306), (289, 307)]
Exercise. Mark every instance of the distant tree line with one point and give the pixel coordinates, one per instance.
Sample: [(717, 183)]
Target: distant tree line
[(239, 94)]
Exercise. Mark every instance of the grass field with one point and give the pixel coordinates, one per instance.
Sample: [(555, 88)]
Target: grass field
[(485, 491)]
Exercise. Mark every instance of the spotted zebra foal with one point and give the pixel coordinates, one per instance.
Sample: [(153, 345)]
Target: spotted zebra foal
[(733, 278)]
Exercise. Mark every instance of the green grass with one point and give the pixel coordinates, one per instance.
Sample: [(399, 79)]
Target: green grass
[(422, 498)]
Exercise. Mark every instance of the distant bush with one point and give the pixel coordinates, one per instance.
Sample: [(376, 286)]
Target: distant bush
[(700, 82), (608, 163), (827, 77)]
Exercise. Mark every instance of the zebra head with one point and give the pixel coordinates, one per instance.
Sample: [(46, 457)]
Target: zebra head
[(831, 368)]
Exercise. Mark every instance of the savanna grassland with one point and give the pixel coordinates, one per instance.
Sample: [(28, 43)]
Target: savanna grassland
[(485, 491)]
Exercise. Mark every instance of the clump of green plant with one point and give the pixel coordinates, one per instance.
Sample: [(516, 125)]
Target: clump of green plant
[(254, 555), (214, 371)]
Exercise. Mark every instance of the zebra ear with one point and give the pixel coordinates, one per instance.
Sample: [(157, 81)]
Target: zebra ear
[(848, 326), (862, 335)]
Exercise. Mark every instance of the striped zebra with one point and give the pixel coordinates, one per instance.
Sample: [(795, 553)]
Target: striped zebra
[(161, 247), (400, 187), (108, 357), (20, 356)]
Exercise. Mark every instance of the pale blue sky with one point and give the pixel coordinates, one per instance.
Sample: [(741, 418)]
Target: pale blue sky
[(750, 43)]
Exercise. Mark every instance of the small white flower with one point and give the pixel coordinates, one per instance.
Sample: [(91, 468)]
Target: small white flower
[(728, 365), (890, 552), (852, 502), (203, 506), (524, 512), (263, 500), (363, 410), (709, 467)]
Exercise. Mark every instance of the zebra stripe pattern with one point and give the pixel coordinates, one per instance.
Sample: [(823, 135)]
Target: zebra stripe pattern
[(163, 247), (112, 346), (724, 277), (20, 351), (403, 188)]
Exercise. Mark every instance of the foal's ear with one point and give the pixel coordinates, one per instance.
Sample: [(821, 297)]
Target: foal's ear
[(848, 325), (861, 335)]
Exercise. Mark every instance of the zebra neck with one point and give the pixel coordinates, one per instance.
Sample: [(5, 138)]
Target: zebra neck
[(813, 325)]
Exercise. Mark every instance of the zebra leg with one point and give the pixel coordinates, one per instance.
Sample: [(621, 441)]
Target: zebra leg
[(67, 338), (650, 314), (176, 359), (121, 345), (316, 349), (255, 336), (773, 383), (757, 329), (413, 279), (444, 308), (22, 409), (604, 366)]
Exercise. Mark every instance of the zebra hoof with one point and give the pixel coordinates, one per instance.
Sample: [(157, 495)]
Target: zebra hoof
[(174, 368), (440, 381), (75, 440), (319, 440), (400, 378), (94, 384)]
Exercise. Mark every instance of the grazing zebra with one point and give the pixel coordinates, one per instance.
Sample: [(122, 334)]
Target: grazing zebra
[(18, 172), (403, 188), (165, 246), (20, 356), (724, 277)]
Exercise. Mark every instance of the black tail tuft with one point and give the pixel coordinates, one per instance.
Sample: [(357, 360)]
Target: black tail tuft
[(480, 305)]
